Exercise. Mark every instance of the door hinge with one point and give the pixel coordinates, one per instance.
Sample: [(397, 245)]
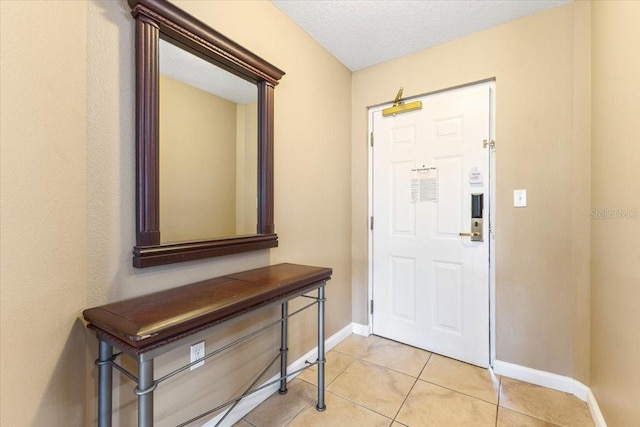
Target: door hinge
[(371, 138), (491, 144), (371, 223), (371, 306)]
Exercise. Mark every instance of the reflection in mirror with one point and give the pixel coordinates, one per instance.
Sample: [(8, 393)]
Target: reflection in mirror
[(208, 149)]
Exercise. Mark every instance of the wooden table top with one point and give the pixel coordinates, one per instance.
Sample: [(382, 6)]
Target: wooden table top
[(150, 319)]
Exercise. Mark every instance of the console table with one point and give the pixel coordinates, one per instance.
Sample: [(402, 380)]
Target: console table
[(148, 326)]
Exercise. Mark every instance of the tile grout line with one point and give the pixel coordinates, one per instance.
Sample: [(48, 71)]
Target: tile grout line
[(415, 381), (339, 373), (459, 392), (411, 389), (359, 357), (360, 405), (520, 412), (326, 384), (355, 358), (498, 402), (301, 410)]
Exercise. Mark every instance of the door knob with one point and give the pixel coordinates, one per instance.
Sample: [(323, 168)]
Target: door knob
[(472, 234)]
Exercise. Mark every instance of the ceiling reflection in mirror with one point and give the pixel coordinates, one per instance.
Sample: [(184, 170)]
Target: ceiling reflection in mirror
[(207, 149)]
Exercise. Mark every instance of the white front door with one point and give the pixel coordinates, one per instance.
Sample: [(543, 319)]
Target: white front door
[(430, 284)]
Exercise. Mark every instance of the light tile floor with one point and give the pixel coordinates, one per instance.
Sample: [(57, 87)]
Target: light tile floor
[(377, 382)]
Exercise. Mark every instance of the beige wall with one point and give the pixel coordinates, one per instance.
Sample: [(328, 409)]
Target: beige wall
[(542, 146), (246, 170), (615, 227), (43, 213), (68, 200)]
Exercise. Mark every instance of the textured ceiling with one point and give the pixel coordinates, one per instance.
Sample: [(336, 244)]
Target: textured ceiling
[(361, 33)]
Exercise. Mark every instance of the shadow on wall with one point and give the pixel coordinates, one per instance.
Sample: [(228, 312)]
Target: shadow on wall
[(67, 385)]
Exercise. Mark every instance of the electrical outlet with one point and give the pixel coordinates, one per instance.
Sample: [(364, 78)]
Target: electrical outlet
[(197, 353)]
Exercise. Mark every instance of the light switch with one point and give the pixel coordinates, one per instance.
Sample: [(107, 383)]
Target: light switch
[(520, 198)]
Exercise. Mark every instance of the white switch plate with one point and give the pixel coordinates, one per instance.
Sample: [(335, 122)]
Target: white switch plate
[(520, 198)]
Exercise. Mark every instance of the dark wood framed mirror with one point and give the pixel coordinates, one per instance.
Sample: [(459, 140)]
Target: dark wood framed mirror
[(156, 20)]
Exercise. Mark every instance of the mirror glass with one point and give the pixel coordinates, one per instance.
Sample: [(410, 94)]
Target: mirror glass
[(208, 138)]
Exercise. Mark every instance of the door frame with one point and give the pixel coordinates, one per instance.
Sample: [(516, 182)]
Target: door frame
[(491, 214)]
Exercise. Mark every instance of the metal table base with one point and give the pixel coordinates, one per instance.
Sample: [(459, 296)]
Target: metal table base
[(146, 384)]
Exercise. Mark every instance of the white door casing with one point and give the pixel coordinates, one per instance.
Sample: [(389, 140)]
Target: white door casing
[(430, 285)]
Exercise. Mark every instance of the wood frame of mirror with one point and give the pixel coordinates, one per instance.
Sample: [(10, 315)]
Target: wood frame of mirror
[(159, 18)]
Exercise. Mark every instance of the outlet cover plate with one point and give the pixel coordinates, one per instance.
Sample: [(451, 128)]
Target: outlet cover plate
[(197, 352)]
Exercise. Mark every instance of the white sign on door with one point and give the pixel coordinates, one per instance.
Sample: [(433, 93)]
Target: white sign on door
[(424, 184)]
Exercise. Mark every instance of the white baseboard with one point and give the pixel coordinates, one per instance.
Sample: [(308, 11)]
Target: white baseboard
[(360, 329), (247, 404), (552, 381), (598, 418)]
